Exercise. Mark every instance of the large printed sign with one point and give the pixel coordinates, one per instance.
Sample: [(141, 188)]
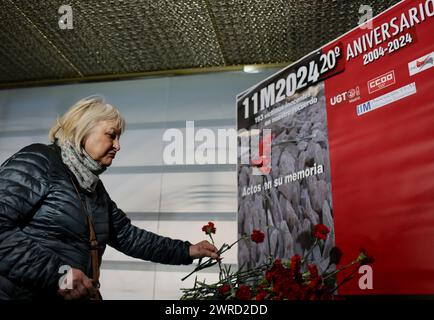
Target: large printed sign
[(352, 147)]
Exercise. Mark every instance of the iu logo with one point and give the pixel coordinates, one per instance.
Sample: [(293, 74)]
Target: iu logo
[(427, 60), (421, 64)]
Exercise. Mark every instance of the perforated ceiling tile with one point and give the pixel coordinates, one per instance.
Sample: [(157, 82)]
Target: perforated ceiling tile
[(118, 37)]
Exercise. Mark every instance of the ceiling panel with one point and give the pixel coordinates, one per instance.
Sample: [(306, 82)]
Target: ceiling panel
[(120, 37)]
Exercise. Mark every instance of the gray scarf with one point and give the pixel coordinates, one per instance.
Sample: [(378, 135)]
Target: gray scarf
[(84, 168)]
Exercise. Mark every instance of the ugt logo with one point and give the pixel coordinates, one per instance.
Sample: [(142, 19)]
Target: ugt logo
[(256, 150)]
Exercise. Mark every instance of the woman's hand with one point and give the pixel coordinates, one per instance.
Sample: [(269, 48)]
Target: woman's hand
[(203, 249), (80, 286)]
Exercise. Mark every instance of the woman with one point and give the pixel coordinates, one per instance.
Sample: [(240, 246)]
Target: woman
[(56, 216)]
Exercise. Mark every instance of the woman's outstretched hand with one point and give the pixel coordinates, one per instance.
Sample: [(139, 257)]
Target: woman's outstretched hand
[(79, 286), (203, 249)]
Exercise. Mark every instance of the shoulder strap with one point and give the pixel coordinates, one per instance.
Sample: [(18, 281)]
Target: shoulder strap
[(92, 239)]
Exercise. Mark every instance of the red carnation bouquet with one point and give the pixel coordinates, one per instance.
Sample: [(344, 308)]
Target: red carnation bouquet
[(295, 279)]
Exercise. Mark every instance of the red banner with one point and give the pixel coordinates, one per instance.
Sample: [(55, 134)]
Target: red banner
[(380, 114)]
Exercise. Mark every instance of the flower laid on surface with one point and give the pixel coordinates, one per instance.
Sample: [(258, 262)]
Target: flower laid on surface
[(295, 279), (320, 231), (257, 236)]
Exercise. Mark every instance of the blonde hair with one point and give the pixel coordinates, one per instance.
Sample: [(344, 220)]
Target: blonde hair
[(77, 122)]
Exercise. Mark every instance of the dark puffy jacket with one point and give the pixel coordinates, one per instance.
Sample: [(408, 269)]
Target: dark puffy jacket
[(42, 226)]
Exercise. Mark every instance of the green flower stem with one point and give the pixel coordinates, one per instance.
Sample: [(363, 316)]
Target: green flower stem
[(245, 237), (202, 290), (341, 269), (209, 263), (219, 260), (221, 251), (267, 206), (348, 278), (303, 260)]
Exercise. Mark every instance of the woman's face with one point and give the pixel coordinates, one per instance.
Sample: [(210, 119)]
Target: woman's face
[(102, 142)]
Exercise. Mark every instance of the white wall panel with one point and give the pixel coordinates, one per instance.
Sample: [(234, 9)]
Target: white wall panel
[(10, 144), (142, 147), (140, 100), (199, 192), (134, 192), (208, 96), (32, 108), (127, 284), (168, 284)]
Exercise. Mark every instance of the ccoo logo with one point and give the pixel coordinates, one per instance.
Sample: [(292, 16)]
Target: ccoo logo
[(381, 82)]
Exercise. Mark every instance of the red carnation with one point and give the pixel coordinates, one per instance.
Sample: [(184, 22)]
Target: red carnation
[(209, 228), (320, 231), (296, 268), (296, 263), (261, 294), (313, 271), (277, 269), (243, 293), (224, 289), (257, 236)]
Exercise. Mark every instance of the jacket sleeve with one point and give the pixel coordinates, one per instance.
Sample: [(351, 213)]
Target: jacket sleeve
[(22, 189), (143, 244)]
